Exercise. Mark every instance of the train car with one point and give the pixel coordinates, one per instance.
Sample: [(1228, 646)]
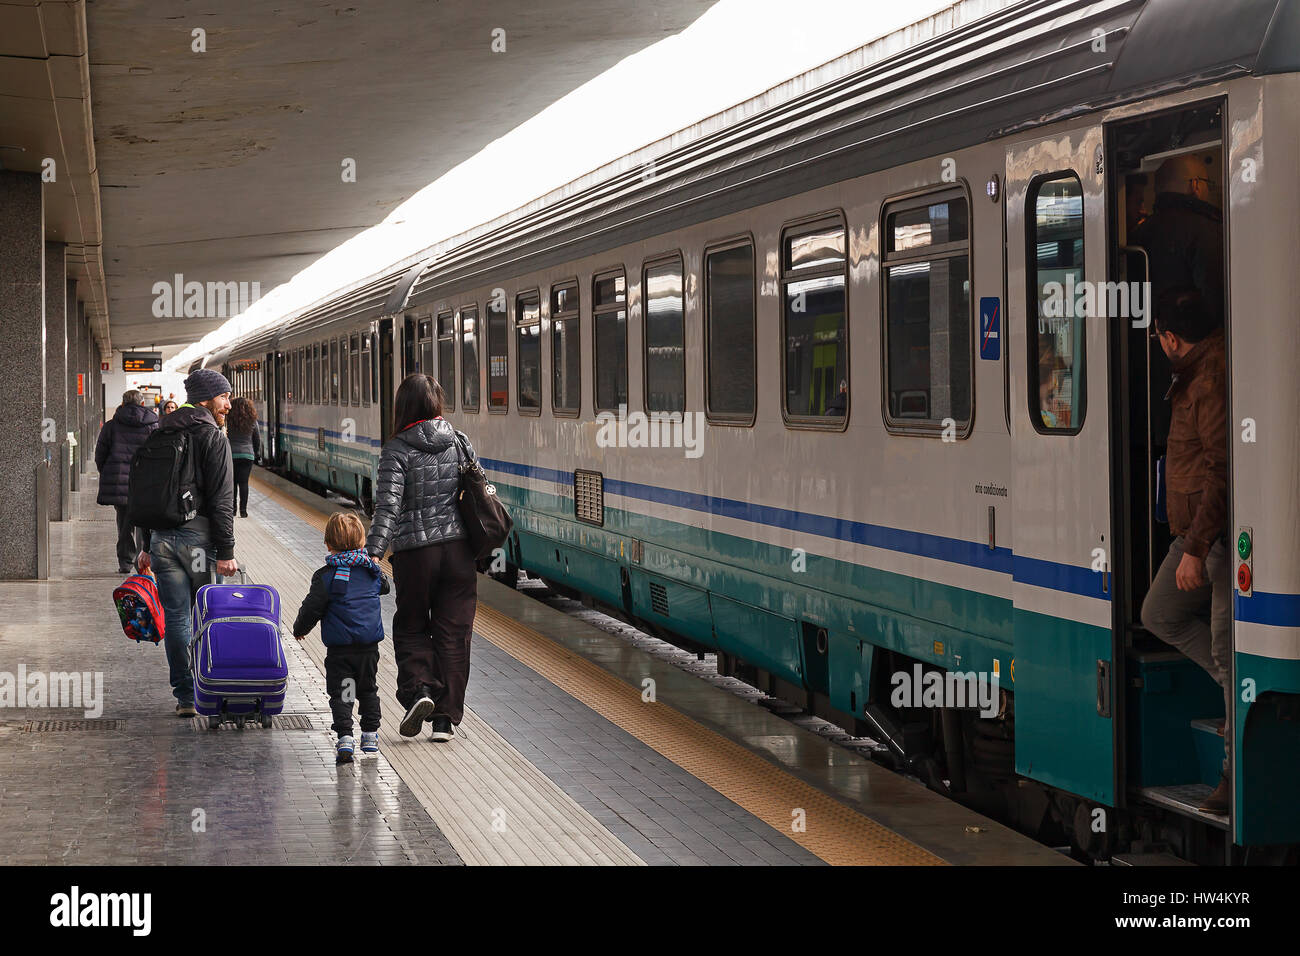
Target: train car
[(818, 396)]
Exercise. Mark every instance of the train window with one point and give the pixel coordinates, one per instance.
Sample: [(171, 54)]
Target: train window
[(528, 350), (1056, 378), (815, 327), (447, 359), (498, 343), (469, 365), (425, 350), (323, 375), (345, 364), (927, 312), (356, 369), (609, 326), (334, 371), (314, 374), (366, 369), (665, 337), (729, 335), (566, 350)]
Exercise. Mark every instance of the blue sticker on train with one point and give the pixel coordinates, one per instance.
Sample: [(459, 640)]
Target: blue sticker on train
[(990, 328)]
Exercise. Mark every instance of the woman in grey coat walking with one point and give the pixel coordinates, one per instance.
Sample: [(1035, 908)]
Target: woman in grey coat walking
[(433, 566)]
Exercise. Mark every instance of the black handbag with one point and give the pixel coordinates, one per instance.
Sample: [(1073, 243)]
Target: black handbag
[(487, 523)]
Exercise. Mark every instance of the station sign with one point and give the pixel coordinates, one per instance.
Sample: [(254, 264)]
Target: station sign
[(141, 361)]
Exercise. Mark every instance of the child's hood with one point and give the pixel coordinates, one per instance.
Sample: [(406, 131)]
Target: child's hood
[(353, 559)]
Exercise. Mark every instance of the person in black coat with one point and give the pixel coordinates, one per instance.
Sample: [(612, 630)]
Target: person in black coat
[(119, 439)]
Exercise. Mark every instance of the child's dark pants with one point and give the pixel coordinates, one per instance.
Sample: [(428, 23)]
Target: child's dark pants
[(358, 663)]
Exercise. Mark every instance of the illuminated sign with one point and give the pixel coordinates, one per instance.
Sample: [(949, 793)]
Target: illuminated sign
[(141, 361)]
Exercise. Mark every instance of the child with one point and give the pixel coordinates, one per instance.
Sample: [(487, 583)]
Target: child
[(344, 597)]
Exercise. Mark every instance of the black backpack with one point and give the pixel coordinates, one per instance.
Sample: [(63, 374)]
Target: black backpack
[(162, 492)]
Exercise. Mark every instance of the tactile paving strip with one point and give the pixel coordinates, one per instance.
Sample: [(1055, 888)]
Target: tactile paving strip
[(835, 832)]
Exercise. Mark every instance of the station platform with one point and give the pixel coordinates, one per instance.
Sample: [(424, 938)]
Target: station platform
[(559, 759)]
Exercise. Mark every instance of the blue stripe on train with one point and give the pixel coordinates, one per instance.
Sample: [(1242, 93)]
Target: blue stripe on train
[(359, 439), (1262, 607), (1044, 574)]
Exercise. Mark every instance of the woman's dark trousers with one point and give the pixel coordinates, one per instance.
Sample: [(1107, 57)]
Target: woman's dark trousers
[(437, 593), (243, 468)]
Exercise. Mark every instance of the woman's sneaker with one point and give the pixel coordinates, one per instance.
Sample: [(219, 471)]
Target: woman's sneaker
[(442, 730), (343, 752), (416, 716), (370, 741)]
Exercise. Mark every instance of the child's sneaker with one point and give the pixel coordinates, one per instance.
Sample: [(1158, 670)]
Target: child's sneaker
[(343, 752), (370, 741)]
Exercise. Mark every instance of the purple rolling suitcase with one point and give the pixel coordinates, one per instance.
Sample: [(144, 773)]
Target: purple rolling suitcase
[(240, 670)]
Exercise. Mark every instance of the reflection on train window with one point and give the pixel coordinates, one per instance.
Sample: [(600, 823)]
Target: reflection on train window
[(498, 344), (469, 364), (424, 351), (729, 332), (334, 371), (927, 311), (815, 327), (356, 369), (665, 338), (609, 324), (1056, 379), (447, 359), (367, 369), (566, 350), (528, 350), (345, 367)]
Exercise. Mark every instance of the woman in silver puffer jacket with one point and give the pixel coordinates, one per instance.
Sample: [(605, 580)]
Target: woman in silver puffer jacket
[(434, 575)]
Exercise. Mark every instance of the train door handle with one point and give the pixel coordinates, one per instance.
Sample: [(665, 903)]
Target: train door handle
[(1103, 688)]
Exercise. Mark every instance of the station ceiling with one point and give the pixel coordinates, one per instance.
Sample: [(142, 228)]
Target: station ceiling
[(222, 161)]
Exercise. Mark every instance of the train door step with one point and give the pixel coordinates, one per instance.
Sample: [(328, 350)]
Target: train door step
[(1184, 799), (1147, 859)]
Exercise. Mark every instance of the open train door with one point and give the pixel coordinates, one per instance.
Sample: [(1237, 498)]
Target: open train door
[(1063, 673)]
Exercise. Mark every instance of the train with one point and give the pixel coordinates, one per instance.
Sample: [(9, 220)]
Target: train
[(785, 400)]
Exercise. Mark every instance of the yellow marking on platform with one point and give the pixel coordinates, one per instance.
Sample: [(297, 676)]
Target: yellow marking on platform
[(835, 832)]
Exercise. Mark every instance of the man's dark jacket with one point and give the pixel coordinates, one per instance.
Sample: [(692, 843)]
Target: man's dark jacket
[(214, 474), (119, 439), (1183, 237)]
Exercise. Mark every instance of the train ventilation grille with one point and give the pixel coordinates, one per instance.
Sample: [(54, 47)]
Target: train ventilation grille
[(589, 496), (658, 599)]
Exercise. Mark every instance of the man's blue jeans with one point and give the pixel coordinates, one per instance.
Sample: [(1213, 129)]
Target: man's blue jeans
[(182, 562)]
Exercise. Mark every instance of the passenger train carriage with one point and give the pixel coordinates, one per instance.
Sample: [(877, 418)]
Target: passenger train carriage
[(909, 449)]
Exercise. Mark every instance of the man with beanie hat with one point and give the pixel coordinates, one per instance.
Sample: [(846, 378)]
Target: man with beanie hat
[(195, 553)]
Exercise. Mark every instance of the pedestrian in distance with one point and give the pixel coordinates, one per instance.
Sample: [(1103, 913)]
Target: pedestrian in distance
[(245, 446), (1194, 582), (169, 406), (119, 439), (434, 571), (344, 600), (183, 488)]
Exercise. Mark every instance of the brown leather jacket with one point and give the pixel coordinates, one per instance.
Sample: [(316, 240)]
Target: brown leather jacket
[(1196, 469)]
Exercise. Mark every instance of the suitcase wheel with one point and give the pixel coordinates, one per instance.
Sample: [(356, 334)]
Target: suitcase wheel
[(214, 723), (267, 721), (239, 722)]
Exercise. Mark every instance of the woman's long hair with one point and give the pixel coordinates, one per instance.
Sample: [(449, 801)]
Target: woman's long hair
[(419, 397), (242, 417)]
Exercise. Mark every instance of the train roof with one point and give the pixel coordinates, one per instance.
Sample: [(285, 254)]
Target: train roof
[(923, 90)]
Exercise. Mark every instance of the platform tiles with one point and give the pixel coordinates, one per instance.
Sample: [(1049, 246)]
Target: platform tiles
[(700, 776), (130, 783)]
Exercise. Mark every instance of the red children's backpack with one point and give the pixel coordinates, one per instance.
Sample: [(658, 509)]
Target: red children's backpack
[(140, 609)]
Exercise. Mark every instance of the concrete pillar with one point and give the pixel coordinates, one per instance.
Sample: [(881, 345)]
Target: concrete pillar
[(86, 452), (22, 367), (54, 428)]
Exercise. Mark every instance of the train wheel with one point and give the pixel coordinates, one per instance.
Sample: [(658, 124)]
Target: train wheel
[(509, 577)]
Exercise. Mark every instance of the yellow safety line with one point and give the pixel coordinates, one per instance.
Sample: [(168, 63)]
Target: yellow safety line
[(832, 830)]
